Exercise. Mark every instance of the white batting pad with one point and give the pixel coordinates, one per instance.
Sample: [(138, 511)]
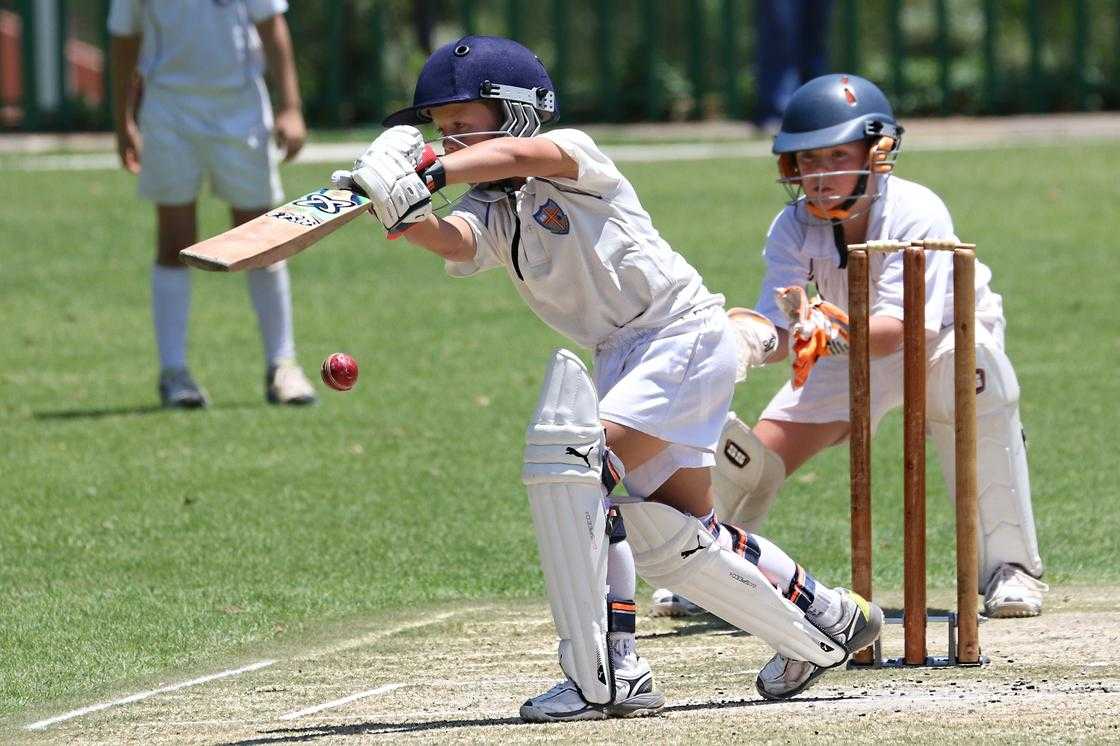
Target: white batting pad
[(563, 463), (747, 476), (675, 551), (1007, 532)]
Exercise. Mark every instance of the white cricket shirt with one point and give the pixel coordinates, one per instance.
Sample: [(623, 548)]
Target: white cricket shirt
[(588, 260), (196, 45), (797, 253)]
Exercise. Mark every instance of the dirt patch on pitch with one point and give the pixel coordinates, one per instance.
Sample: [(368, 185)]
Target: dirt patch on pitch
[(458, 674)]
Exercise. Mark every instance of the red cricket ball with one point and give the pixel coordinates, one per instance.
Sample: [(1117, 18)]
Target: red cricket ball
[(340, 371)]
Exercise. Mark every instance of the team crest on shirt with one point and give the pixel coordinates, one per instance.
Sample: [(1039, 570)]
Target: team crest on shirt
[(552, 218)]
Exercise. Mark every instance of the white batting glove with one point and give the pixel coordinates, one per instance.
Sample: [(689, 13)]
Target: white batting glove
[(397, 193), (402, 139)]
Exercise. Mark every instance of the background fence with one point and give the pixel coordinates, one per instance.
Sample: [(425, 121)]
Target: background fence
[(613, 60)]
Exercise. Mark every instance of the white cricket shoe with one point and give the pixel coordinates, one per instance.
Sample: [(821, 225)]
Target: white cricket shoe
[(1011, 592), (286, 384), (634, 697), (860, 624), (560, 703), (178, 390), (667, 603)]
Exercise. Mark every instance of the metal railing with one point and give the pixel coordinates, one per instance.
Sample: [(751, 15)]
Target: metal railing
[(629, 60)]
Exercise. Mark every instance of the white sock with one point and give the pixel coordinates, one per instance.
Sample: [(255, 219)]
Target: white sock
[(819, 602), (826, 607), (796, 584), (622, 584), (272, 300), (171, 306), (622, 581), (778, 567), (623, 649)]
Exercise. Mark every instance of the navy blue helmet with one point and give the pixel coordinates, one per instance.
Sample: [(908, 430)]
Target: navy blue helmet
[(486, 68), (834, 110)]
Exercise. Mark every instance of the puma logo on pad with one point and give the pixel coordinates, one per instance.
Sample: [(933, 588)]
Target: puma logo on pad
[(699, 546), (585, 456)]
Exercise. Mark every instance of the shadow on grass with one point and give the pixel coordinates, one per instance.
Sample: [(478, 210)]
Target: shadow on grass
[(146, 409), (708, 624), (699, 625), (311, 733), (894, 615)]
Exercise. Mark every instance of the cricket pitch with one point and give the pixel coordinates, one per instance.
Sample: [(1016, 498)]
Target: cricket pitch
[(459, 673)]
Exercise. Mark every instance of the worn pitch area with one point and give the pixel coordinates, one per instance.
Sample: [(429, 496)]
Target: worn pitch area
[(459, 673)]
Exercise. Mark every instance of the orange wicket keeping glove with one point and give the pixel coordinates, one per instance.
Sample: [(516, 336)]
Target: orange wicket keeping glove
[(817, 329)]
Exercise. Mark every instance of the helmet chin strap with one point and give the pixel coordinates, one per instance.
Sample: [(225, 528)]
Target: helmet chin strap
[(844, 210), (837, 216), (841, 244)]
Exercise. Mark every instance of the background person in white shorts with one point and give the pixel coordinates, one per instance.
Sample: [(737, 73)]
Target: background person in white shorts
[(836, 149), (204, 111), (567, 228)]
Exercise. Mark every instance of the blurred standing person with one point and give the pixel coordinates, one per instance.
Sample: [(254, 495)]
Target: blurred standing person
[(190, 102), (792, 50)]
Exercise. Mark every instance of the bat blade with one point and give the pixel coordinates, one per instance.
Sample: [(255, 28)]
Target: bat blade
[(279, 233)]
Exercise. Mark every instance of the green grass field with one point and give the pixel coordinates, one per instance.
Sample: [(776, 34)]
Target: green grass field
[(135, 541)]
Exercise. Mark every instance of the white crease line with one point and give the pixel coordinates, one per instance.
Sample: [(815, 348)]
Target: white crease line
[(339, 702), (144, 695), (362, 642), (385, 689), (382, 634)]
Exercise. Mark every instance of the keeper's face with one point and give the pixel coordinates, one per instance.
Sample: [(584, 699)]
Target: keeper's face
[(457, 122), (830, 174)]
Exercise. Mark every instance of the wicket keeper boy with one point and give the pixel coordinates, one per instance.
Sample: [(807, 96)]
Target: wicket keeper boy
[(836, 151)]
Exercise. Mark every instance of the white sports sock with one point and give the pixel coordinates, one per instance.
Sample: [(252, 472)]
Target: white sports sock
[(819, 602), (792, 580), (171, 307), (272, 299), (622, 584), (778, 567), (826, 608), (624, 650), (622, 579)]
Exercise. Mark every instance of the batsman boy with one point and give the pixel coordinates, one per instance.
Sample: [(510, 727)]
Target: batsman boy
[(566, 227)]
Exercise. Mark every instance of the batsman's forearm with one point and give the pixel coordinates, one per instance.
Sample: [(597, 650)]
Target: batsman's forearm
[(450, 239), (123, 54), (508, 158)]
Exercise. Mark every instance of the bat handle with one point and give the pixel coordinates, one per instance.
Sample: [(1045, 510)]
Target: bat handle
[(427, 160)]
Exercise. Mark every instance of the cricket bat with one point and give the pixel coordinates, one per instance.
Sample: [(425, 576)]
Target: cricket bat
[(285, 230), (279, 233)]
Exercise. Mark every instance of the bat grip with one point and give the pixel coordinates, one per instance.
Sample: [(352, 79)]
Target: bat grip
[(427, 159)]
